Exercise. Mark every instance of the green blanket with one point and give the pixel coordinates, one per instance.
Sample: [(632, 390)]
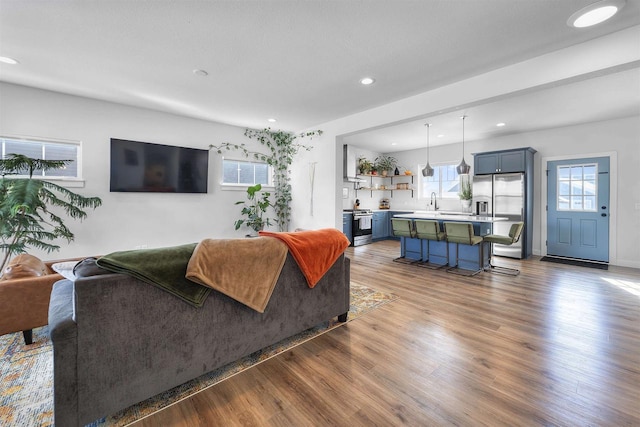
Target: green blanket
[(162, 267)]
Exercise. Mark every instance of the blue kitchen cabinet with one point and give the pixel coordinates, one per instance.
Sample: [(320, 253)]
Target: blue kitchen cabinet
[(347, 226), (380, 225), (505, 161)]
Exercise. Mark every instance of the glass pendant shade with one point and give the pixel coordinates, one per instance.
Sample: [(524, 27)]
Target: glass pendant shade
[(428, 170), (463, 168)]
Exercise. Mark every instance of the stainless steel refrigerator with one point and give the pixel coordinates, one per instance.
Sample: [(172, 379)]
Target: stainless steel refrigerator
[(505, 195)]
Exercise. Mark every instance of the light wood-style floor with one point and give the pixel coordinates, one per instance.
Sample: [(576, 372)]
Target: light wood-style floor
[(555, 346)]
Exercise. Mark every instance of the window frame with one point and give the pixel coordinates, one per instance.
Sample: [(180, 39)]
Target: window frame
[(582, 194), (439, 194), (71, 181), (244, 186)]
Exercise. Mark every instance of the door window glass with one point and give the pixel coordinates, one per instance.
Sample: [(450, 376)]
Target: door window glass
[(577, 189)]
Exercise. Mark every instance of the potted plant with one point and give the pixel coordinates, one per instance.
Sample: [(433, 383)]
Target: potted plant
[(385, 164), (255, 210), (30, 208), (466, 192), (364, 166)]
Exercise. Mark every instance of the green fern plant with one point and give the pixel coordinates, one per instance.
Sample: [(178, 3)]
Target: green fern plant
[(28, 207)]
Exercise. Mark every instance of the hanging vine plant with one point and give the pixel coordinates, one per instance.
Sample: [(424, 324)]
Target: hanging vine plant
[(282, 147)]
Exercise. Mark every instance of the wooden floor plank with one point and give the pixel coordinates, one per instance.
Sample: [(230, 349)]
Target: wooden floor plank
[(556, 345)]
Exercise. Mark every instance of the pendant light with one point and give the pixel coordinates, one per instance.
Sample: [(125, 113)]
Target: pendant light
[(428, 170), (463, 168)]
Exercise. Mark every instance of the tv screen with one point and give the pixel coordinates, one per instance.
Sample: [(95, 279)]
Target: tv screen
[(145, 167)]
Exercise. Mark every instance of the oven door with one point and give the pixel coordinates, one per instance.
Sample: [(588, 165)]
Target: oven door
[(362, 229)]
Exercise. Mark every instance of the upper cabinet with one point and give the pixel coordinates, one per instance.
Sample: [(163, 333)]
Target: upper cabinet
[(505, 161)]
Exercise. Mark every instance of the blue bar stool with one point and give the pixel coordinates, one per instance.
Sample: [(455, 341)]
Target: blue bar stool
[(429, 230), (402, 227), (514, 235), (461, 233)]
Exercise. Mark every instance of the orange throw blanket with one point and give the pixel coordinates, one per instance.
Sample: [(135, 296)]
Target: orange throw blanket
[(315, 251)]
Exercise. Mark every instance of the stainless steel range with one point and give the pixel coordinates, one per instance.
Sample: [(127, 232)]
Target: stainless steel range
[(362, 226)]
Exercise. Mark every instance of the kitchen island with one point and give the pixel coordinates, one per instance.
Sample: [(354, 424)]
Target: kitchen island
[(469, 257)]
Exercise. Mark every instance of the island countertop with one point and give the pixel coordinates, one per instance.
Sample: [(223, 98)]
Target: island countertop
[(450, 217)]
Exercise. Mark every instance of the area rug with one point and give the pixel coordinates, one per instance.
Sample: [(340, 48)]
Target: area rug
[(576, 262), (26, 372)]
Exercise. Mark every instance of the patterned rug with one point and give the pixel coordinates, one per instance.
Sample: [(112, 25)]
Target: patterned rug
[(26, 372)]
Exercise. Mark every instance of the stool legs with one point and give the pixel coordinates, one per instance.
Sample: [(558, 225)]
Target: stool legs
[(403, 255), (496, 268), (457, 270), (426, 263)]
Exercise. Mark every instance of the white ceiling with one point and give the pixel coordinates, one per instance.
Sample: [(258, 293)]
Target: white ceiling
[(605, 97), (300, 61)]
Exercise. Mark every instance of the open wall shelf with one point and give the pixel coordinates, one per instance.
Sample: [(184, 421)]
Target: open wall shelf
[(371, 188)]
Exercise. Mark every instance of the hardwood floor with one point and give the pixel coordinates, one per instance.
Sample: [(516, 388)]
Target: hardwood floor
[(556, 345)]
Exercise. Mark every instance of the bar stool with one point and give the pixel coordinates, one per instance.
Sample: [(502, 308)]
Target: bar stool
[(462, 233), (402, 227), (514, 235), (429, 230)]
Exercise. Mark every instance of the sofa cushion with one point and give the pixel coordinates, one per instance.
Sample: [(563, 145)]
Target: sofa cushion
[(88, 267), (24, 265), (65, 269)]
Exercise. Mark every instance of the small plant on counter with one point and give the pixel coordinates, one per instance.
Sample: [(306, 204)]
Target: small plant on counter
[(466, 192), (255, 210)]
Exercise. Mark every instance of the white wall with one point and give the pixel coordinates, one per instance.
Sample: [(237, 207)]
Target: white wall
[(126, 220)]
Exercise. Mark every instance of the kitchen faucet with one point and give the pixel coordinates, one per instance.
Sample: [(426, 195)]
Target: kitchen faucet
[(434, 201)]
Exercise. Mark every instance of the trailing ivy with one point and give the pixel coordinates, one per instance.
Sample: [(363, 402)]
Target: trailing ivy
[(281, 149)]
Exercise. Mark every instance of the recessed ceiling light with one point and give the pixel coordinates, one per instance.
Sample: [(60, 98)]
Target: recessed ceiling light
[(441, 135), (7, 60), (595, 13), (201, 73), (500, 124), (367, 81), (271, 120), (394, 143)]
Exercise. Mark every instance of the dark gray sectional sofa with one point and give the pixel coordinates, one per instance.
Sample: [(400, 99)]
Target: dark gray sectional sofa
[(118, 341)]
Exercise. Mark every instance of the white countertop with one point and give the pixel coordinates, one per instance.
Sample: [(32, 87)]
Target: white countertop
[(450, 217)]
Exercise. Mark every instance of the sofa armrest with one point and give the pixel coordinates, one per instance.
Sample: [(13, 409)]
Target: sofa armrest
[(64, 336), (24, 302)]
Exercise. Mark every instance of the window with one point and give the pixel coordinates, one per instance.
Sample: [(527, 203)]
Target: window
[(577, 189), (242, 172), (444, 182), (46, 150)]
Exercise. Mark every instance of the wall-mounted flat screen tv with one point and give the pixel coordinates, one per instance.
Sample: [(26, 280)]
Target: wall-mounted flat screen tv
[(146, 167)]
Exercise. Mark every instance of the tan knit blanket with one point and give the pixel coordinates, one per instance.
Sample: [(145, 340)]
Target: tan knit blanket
[(244, 269)]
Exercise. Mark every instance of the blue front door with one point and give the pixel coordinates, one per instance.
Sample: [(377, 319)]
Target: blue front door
[(578, 208)]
